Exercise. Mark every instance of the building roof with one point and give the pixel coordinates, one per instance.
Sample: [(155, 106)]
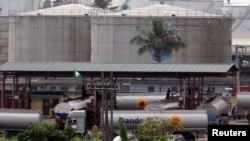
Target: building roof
[(65, 69), (163, 10), (65, 10)]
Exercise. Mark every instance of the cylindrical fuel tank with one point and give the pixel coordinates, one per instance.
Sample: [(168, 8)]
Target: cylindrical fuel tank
[(136, 102), (62, 109), (243, 100), (214, 106), (19, 118), (191, 119), (162, 106)]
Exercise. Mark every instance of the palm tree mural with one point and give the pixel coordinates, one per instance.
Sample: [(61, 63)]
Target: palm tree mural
[(161, 42)]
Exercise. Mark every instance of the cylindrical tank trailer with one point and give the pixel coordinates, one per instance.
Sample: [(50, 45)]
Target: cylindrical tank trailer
[(159, 106), (243, 100), (18, 119), (132, 117), (62, 109), (215, 106), (135, 102)]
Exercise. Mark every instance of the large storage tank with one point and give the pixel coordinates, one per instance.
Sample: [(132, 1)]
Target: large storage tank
[(57, 34), (4, 26), (207, 35)]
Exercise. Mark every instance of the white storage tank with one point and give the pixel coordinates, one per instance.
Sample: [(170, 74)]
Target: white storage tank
[(207, 36), (58, 34)]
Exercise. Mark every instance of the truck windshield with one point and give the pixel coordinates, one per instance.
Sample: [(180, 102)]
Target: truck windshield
[(72, 122)]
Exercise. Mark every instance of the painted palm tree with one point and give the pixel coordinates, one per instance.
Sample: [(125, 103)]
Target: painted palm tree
[(159, 42)]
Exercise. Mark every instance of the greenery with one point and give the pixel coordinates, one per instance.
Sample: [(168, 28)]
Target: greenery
[(157, 129), (160, 40), (46, 132), (123, 131)]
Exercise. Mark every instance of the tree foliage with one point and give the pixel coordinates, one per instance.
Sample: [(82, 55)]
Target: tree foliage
[(156, 129), (45, 132), (160, 39), (123, 131)]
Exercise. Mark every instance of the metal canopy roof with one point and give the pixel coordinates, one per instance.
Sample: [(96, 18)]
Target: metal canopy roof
[(87, 69)]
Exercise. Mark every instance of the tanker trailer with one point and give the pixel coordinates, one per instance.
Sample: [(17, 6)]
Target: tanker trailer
[(139, 102), (217, 110), (195, 122), (13, 121), (133, 102), (242, 104), (243, 100), (158, 106), (62, 109)]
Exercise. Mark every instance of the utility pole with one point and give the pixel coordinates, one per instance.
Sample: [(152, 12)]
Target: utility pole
[(237, 53), (108, 88), (238, 72)]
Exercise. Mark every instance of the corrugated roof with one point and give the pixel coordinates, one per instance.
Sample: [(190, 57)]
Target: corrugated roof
[(108, 67)]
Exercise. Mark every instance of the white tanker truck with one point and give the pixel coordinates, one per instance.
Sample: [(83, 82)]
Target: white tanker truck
[(132, 102), (13, 121), (195, 122)]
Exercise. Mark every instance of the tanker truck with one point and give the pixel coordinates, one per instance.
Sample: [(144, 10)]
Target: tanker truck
[(217, 110), (132, 102), (62, 109), (13, 121), (242, 104), (195, 122)]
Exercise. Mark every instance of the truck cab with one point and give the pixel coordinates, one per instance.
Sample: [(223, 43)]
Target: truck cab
[(77, 121)]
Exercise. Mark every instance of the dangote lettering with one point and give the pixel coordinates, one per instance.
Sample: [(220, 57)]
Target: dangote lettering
[(131, 120)]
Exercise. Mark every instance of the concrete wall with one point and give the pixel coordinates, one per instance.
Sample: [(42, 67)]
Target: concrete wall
[(49, 39), (208, 40), (4, 33)]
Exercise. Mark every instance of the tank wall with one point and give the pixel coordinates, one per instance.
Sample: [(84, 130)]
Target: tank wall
[(242, 100), (132, 118), (49, 39), (4, 26), (18, 119), (217, 106), (208, 40)]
